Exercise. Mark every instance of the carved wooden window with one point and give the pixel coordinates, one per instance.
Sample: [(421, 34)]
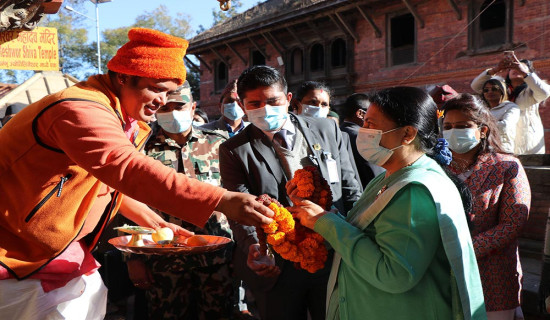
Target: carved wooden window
[(220, 76), (338, 53), (402, 40), (317, 58), (297, 62), (257, 58), (493, 28)]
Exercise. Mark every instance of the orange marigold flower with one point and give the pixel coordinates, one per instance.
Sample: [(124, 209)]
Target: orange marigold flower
[(282, 248), (289, 238), (276, 239), (270, 228)]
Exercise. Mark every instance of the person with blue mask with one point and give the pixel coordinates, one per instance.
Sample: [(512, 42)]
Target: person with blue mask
[(231, 122), (501, 197), (260, 160)]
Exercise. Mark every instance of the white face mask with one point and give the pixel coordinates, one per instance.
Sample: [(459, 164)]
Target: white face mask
[(313, 111), (461, 140), (176, 121), (268, 118), (368, 146)]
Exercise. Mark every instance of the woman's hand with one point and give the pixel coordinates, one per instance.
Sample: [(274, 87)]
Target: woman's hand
[(261, 263), (502, 65), (519, 66), (306, 211), (139, 274), (291, 188)]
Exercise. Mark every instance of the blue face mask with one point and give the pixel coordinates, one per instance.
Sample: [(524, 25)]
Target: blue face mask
[(268, 118), (232, 111), (313, 111), (461, 140), (176, 121)]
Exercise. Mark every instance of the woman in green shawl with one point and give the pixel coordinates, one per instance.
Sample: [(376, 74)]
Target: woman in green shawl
[(404, 251)]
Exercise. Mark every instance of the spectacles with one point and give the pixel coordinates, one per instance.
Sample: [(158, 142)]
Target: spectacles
[(494, 89)]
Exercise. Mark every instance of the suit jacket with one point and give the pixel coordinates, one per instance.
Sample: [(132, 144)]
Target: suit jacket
[(347, 142), (248, 163), (363, 168), (501, 198)]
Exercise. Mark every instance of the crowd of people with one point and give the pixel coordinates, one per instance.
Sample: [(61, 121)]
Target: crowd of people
[(429, 198)]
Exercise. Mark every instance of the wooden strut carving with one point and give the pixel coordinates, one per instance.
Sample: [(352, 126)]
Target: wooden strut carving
[(20, 14), (225, 4)]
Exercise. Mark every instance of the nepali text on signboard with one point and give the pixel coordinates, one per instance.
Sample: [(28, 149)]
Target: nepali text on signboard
[(29, 50)]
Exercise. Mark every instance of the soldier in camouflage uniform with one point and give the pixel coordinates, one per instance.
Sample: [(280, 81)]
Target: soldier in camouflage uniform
[(196, 286)]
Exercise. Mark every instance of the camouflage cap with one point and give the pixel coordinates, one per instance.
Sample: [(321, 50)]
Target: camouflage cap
[(181, 95)]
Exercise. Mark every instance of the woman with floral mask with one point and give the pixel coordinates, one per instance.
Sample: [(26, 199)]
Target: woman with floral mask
[(506, 113), (501, 196), (404, 250)]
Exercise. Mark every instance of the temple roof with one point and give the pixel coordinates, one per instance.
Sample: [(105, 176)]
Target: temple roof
[(262, 15)]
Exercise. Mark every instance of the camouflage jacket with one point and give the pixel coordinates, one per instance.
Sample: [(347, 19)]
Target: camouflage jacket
[(198, 159)]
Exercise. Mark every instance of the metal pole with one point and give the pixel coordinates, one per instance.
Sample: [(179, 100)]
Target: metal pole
[(98, 45)]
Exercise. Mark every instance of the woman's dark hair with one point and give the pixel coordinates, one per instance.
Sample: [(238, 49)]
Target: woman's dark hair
[(259, 76), (529, 64), (309, 86), (202, 114), (410, 106), (477, 111), (355, 102), (520, 88)]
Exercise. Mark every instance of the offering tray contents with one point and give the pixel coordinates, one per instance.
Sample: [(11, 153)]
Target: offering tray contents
[(137, 233), (180, 245)]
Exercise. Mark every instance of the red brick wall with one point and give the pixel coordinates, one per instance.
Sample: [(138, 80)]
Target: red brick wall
[(452, 65), (209, 101)]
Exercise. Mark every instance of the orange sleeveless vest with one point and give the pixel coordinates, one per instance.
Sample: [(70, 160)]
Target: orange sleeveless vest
[(44, 196)]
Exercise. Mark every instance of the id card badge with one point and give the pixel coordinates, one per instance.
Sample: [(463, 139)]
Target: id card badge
[(332, 171)]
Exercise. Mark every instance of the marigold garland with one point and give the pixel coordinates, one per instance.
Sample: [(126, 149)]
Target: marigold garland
[(312, 186), (288, 237)]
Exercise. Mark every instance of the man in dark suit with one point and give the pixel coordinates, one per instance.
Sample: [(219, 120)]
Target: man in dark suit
[(260, 160), (354, 109)]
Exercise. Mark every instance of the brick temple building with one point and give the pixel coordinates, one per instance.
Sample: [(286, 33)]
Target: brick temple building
[(361, 45)]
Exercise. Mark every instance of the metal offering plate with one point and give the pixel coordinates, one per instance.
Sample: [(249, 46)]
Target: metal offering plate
[(178, 245)]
